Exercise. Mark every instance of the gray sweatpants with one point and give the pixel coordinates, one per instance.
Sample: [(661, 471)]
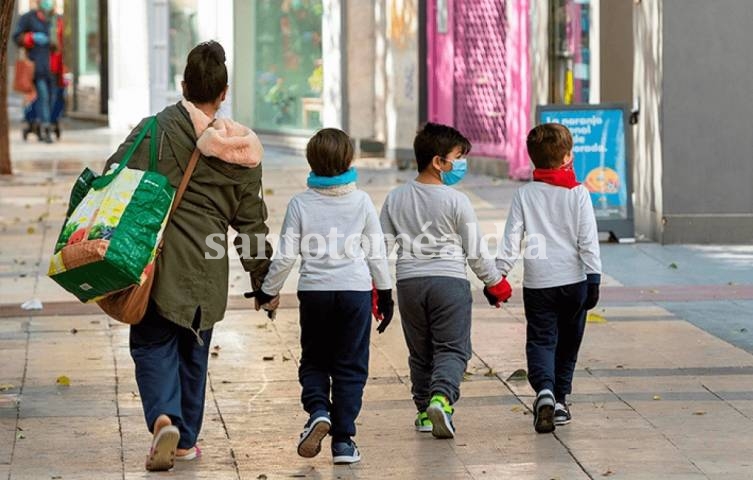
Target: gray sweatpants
[(436, 316)]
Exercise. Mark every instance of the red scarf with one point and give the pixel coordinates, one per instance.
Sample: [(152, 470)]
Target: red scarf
[(559, 177)]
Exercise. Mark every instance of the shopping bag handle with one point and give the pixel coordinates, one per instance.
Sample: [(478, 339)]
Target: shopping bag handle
[(150, 126)]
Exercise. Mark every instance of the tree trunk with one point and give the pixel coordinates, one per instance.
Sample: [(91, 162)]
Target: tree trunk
[(6, 17)]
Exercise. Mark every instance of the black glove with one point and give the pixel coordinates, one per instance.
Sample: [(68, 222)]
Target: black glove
[(386, 309), (263, 299), (592, 295)]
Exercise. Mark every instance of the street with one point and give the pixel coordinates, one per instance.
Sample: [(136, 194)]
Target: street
[(663, 388)]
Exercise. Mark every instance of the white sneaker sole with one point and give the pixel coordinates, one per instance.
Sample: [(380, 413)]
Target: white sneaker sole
[(440, 428), (424, 429), (561, 421), (347, 459), (310, 445)]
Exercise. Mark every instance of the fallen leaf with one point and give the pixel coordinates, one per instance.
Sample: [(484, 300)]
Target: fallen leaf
[(30, 230), (657, 397), (518, 375), (74, 331), (516, 408), (95, 322), (699, 413), (285, 359), (673, 266), (134, 395), (608, 473), (269, 191), (268, 358), (217, 348), (215, 354), (743, 330), (619, 366), (20, 435), (6, 386), (262, 326), (490, 373), (63, 380), (226, 381), (595, 318), (261, 477), (467, 376)]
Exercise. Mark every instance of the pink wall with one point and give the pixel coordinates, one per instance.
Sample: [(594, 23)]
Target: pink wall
[(442, 71)]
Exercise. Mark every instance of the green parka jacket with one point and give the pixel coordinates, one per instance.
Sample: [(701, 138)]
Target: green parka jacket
[(219, 195)]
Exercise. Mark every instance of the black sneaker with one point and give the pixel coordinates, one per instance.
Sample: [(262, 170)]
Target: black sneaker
[(345, 453), (561, 414), (543, 412)]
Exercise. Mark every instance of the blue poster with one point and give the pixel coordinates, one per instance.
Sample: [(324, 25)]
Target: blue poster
[(599, 156)]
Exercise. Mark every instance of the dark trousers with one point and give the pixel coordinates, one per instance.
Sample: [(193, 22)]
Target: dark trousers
[(555, 323), (171, 372), (436, 317), (335, 330)]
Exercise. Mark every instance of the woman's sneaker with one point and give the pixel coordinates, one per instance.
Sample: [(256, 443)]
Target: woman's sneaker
[(440, 414), (422, 423), (345, 453), (561, 414), (310, 443), (543, 412)]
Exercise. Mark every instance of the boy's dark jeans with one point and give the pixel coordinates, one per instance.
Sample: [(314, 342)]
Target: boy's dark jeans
[(171, 372), (436, 317), (555, 324), (335, 330)]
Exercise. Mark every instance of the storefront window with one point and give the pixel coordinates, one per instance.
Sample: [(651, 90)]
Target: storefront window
[(288, 65), (572, 46), (88, 37), (183, 36)]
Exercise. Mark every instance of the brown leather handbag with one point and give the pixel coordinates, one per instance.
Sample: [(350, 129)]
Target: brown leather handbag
[(129, 305), (23, 74)]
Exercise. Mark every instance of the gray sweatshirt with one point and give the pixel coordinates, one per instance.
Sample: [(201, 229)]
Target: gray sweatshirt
[(436, 232), (339, 241)]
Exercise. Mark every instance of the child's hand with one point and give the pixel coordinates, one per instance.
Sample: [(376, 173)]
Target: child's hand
[(592, 295), (498, 293), (264, 301), (382, 307)]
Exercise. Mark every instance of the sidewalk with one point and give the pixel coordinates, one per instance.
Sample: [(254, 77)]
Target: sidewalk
[(664, 387)]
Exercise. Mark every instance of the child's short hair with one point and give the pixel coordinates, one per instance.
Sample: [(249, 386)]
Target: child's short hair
[(435, 139), (548, 144), (329, 152)]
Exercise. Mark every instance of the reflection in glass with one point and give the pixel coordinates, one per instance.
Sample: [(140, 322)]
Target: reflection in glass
[(288, 64)]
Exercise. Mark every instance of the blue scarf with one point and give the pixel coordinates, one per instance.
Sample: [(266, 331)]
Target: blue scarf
[(316, 181)]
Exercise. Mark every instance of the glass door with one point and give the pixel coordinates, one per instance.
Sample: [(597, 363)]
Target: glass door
[(573, 48)]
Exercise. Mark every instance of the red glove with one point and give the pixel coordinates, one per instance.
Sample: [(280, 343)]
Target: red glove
[(498, 293)]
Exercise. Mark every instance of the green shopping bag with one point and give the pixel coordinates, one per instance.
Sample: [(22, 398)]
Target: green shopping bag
[(114, 224)]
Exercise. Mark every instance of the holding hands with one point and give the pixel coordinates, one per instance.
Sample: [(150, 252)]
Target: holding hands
[(498, 293), (382, 307), (264, 301)]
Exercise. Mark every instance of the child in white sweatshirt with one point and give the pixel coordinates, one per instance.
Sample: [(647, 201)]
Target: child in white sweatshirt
[(335, 230), (561, 277)]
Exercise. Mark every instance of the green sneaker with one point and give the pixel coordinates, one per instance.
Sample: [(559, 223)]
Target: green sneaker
[(440, 414), (422, 423)]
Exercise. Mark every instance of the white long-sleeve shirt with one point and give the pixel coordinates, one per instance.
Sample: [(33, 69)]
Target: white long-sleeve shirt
[(559, 229), (436, 231), (328, 232)]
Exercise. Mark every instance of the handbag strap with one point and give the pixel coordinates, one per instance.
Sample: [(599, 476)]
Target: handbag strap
[(149, 127), (181, 190)]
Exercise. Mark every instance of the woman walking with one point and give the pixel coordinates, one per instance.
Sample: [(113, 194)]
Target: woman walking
[(170, 346)]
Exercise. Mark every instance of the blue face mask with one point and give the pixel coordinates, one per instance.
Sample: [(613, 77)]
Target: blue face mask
[(46, 5), (459, 167)]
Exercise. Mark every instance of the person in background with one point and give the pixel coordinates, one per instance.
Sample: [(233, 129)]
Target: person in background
[(40, 32)]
